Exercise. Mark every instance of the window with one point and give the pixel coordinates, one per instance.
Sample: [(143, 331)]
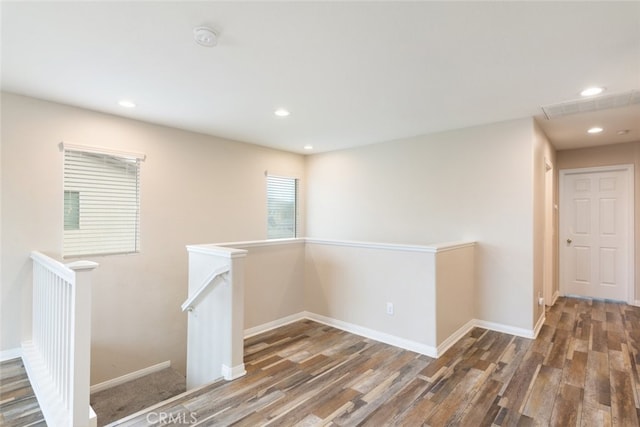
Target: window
[(101, 203), (282, 207), (71, 210)]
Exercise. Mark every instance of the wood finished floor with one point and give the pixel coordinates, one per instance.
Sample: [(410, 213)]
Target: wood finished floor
[(18, 404), (581, 370)]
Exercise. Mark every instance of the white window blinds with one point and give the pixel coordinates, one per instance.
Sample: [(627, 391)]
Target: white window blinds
[(282, 200), (101, 203)]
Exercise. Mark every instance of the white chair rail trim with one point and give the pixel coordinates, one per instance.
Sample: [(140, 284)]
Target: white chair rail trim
[(430, 248)]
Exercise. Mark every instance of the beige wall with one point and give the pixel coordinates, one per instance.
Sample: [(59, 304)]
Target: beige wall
[(194, 189), (274, 281), (476, 184), (353, 284), (469, 184), (607, 155), (455, 293), (542, 149)]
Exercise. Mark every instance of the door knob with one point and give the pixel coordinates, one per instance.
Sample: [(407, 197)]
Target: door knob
[(569, 241)]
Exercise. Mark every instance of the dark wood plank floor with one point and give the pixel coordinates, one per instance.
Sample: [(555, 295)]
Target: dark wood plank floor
[(581, 370), (18, 404)]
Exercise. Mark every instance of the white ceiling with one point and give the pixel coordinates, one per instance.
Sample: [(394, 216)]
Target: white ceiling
[(351, 73)]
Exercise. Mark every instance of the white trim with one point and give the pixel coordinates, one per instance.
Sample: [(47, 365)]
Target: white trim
[(396, 341), (497, 327), (451, 246), (539, 324), (12, 353), (82, 265), (555, 298), (631, 287), (511, 330), (549, 250), (65, 146), (130, 376), (231, 373), (455, 337), (431, 248), (630, 175), (265, 327), (434, 248), (375, 335), (596, 169), (636, 303), (283, 174), (262, 243), (214, 249)]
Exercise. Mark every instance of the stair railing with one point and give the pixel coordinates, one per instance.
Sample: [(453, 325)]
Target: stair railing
[(58, 356), (218, 272)]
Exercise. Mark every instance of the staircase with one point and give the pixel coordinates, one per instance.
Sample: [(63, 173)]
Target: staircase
[(19, 406), (18, 403), (123, 400), (57, 355)]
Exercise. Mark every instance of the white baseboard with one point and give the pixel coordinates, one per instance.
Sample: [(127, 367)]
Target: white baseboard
[(637, 303), (455, 337), (555, 298), (274, 324), (130, 376), (511, 330), (411, 345), (375, 335), (12, 353), (539, 323), (231, 373), (498, 327)]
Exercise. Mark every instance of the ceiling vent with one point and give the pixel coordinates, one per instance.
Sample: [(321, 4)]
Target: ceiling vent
[(605, 102)]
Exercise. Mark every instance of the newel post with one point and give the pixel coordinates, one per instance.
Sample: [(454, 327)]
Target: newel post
[(81, 344), (233, 359), (215, 307)]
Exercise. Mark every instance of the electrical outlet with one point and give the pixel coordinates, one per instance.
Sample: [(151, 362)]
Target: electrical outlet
[(390, 308)]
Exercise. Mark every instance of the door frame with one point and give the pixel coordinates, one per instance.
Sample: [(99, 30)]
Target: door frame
[(629, 173), (549, 257)]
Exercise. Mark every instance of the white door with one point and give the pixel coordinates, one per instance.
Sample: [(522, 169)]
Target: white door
[(596, 232)]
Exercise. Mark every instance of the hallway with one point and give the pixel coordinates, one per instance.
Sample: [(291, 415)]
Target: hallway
[(581, 370)]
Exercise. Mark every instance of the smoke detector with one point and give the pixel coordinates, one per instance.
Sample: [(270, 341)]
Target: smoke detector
[(205, 36)]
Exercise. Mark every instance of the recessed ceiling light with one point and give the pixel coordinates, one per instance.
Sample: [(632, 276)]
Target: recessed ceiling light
[(126, 103), (591, 91), (595, 129), (308, 147), (623, 131), (281, 112)]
